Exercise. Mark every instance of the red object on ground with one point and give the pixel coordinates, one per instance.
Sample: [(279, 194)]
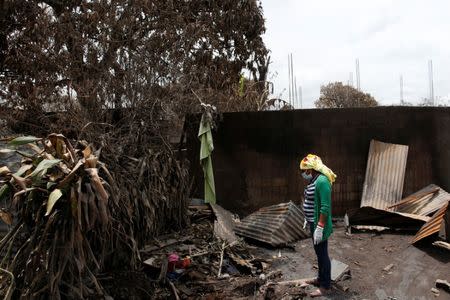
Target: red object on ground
[(176, 263), (173, 260)]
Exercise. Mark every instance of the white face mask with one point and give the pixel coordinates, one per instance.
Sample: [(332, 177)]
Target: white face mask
[(307, 176)]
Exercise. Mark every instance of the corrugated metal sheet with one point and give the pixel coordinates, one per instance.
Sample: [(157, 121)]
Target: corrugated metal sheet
[(380, 217), (444, 231), (276, 225), (433, 225), (424, 202), (385, 174)]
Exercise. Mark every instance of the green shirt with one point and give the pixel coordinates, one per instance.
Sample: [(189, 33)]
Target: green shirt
[(322, 204)]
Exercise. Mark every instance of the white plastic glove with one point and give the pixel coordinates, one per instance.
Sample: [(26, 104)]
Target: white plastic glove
[(318, 235), (304, 224)]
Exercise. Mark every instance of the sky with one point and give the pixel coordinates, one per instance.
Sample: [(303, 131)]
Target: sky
[(390, 39)]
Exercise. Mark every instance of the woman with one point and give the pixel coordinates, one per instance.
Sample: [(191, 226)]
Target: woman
[(317, 209)]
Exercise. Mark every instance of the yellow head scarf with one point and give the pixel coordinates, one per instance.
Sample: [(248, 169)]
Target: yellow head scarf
[(314, 162)]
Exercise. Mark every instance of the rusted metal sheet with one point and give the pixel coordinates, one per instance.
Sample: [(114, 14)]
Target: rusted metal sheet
[(424, 202), (410, 213), (433, 225), (275, 225), (444, 231), (385, 174), (379, 217)]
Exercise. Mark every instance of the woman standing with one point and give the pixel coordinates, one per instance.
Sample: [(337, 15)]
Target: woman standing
[(317, 209)]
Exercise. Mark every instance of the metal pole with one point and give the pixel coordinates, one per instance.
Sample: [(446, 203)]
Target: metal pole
[(401, 89), (430, 74), (357, 75), (292, 78), (289, 76)]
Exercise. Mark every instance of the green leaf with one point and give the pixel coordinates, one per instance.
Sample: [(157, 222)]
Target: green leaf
[(43, 166), (50, 185), (23, 140), (52, 198), (4, 191), (6, 151), (25, 154), (23, 169)]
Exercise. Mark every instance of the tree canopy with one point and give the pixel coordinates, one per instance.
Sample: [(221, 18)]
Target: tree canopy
[(109, 54), (337, 95)]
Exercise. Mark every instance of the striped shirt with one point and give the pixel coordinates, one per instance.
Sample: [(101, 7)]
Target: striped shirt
[(308, 204)]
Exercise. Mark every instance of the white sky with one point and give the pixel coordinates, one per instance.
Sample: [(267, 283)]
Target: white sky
[(389, 38)]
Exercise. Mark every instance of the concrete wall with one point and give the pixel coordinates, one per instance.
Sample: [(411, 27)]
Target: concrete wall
[(442, 148), (257, 153)]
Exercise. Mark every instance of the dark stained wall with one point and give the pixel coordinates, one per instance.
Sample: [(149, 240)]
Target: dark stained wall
[(257, 154)]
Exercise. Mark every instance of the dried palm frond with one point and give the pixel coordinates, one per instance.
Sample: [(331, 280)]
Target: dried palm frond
[(67, 221)]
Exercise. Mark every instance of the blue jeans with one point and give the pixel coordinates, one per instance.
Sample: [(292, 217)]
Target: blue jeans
[(323, 260)]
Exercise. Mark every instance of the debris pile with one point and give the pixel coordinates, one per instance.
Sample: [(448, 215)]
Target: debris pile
[(425, 212), (197, 262), (207, 260)]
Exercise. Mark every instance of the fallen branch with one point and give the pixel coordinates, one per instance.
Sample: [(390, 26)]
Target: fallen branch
[(168, 243), (200, 254), (174, 290), (221, 260), (164, 267), (11, 285), (291, 282), (10, 235)]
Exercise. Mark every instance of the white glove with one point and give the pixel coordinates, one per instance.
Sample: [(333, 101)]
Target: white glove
[(304, 224), (318, 235)]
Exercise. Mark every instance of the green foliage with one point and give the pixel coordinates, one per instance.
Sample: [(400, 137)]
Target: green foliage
[(23, 140)]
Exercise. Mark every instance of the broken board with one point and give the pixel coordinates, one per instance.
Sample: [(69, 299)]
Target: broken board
[(224, 225), (338, 269), (380, 217)]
